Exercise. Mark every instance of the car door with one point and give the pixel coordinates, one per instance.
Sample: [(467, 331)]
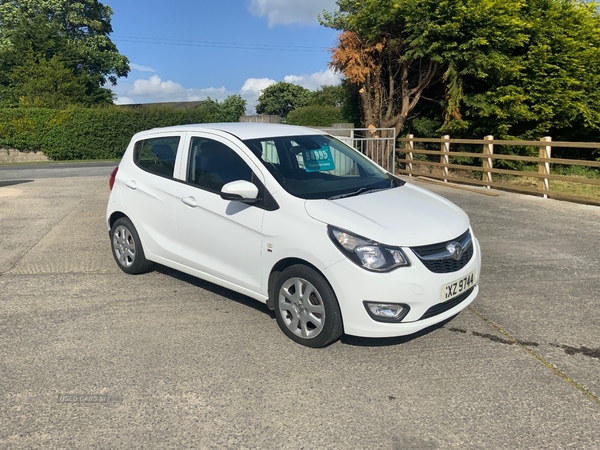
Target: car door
[(219, 237), (150, 193)]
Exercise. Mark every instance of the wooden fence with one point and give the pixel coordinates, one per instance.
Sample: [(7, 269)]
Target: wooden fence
[(486, 168)]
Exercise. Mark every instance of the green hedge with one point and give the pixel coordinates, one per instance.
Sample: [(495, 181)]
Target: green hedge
[(316, 116), (84, 133)]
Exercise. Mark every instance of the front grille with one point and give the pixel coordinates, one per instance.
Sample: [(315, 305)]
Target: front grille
[(443, 307), (438, 259), (449, 264)]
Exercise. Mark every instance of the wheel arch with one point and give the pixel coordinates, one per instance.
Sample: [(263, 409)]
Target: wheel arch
[(280, 267), (114, 217), (139, 264)]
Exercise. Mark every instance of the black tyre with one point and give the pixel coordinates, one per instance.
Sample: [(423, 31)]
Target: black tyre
[(127, 248), (306, 308)]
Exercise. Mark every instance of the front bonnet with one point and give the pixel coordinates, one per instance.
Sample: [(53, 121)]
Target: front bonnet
[(404, 216)]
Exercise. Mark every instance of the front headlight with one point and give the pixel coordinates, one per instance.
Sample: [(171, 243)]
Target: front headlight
[(366, 253)]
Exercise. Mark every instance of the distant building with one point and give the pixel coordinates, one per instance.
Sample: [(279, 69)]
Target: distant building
[(261, 118), (173, 105)]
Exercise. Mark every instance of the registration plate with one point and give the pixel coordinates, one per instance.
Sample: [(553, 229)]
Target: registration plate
[(454, 289)]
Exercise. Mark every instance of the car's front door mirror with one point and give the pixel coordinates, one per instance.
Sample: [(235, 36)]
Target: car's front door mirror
[(241, 191)]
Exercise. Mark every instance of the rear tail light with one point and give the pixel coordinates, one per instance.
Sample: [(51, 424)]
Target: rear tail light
[(113, 175)]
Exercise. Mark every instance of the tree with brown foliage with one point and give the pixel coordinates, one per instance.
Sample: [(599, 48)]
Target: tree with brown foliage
[(394, 51), (389, 86)]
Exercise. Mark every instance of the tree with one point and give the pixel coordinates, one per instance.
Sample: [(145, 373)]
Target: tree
[(229, 110), (328, 96), (77, 31), (316, 116), (282, 98), (556, 89), (393, 51), (344, 97), (511, 68), (43, 83), (232, 108)]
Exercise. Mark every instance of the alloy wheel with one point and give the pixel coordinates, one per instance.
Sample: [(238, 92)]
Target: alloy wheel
[(302, 308)]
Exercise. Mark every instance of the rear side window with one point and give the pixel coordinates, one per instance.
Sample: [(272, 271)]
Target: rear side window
[(213, 164), (157, 155)]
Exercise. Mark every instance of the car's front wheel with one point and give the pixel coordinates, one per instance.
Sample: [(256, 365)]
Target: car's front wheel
[(127, 247), (306, 308)]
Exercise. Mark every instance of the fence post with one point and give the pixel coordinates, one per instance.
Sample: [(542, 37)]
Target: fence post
[(410, 146), (544, 167), (445, 158), (394, 165), (488, 164)]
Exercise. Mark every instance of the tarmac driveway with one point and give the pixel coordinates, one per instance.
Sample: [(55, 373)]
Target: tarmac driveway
[(174, 362)]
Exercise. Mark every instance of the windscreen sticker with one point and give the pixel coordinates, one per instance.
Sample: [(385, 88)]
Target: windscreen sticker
[(318, 160)]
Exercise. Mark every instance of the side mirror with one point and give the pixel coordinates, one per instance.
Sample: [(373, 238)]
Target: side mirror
[(241, 191)]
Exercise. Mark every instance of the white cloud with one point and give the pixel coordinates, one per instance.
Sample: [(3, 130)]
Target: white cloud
[(285, 12), (154, 86), (253, 85), (252, 89), (316, 80), (155, 90), (135, 66)]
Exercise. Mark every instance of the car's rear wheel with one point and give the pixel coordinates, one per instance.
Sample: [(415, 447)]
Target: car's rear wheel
[(306, 308), (127, 248)]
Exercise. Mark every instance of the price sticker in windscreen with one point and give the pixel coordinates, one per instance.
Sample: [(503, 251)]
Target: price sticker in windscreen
[(318, 160)]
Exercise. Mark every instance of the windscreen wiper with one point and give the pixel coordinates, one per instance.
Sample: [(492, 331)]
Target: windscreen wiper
[(362, 190)]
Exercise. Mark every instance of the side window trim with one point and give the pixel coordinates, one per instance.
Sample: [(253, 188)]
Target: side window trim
[(224, 156), (266, 202)]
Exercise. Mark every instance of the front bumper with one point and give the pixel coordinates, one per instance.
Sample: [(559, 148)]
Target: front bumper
[(415, 286)]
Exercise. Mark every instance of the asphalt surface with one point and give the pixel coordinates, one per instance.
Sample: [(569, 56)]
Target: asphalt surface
[(21, 172), (187, 364)]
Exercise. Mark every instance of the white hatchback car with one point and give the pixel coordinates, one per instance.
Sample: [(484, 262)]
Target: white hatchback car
[(294, 218)]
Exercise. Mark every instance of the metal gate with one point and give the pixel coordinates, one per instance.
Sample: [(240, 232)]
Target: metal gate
[(379, 144)]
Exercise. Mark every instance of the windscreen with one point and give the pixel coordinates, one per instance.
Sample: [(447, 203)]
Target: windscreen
[(319, 167)]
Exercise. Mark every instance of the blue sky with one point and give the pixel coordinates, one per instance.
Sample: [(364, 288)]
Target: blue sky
[(185, 50)]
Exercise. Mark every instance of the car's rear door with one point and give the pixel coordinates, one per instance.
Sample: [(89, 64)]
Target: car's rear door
[(150, 193), (218, 237)]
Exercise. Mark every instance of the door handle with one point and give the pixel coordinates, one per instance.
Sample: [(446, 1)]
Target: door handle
[(131, 184), (190, 201)]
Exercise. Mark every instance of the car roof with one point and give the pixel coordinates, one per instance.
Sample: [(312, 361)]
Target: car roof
[(245, 130)]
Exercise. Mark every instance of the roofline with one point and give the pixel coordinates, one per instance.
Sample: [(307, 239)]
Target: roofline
[(244, 130)]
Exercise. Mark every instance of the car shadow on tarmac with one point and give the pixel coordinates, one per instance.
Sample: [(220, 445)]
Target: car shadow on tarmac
[(263, 308), (385, 342), (215, 289)]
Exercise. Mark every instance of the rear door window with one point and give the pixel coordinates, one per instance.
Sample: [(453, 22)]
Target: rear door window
[(157, 155)]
